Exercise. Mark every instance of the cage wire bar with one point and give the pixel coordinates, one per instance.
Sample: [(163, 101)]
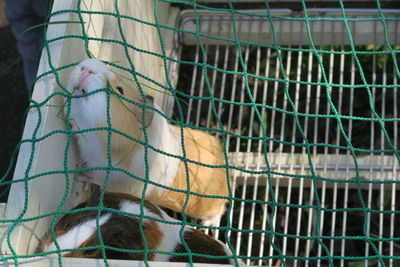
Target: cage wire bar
[(297, 84), (296, 219)]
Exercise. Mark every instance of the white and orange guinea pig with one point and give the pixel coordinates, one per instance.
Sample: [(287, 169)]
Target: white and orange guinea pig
[(90, 111), (121, 231)]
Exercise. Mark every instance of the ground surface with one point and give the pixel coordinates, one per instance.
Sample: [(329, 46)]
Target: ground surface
[(13, 103)]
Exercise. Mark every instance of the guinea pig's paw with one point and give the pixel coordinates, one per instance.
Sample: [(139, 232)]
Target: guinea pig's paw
[(211, 220)]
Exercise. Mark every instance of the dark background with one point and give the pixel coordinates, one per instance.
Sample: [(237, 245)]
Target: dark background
[(13, 103)]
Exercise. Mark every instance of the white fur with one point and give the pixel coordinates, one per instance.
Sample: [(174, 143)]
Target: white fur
[(214, 220), (134, 209), (162, 168), (171, 237), (88, 110), (79, 234)]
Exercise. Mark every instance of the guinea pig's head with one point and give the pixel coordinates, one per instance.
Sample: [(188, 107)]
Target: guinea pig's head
[(125, 102), (89, 75)]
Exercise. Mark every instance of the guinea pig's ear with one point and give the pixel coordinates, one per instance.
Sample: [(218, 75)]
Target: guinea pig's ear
[(149, 114)]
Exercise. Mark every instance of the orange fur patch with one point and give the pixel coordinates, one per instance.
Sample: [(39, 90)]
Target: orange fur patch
[(204, 148), (123, 112)]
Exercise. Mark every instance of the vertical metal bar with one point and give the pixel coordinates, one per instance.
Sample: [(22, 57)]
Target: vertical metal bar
[(349, 134), (325, 164), (231, 106), (382, 146), (238, 142), (249, 145), (173, 74), (237, 150), (223, 81), (215, 72), (207, 21), (292, 151), (282, 131), (346, 189), (341, 74), (283, 122), (315, 140), (213, 81), (395, 143), (335, 187), (193, 85), (259, 151), (311, 211), (201, 92), (372, 143), (346, 185), (270, 148), (327, 131)]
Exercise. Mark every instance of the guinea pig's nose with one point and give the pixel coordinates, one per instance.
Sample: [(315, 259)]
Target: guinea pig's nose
[(85, 72)]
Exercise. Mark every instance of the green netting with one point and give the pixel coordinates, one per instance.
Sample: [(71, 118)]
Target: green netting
[(309, 128)]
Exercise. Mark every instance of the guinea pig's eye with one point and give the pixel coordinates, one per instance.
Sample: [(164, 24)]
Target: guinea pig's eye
[(120, 90)]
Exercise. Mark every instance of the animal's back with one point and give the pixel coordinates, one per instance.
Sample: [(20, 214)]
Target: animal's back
[(205, 149), (122, 232)]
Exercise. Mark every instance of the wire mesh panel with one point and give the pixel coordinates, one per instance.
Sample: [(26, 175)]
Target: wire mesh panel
[(319, 178)]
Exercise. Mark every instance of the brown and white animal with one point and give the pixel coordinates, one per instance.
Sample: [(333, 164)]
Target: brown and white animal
[(121, 231), (168, 169)]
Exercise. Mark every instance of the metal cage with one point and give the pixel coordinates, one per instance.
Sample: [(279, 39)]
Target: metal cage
[(323, 197)]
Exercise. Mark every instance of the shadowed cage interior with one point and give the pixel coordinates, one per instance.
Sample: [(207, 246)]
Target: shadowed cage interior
[(305, 104)]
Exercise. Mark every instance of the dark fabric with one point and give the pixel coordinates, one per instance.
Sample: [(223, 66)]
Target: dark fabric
[(23, 14)]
